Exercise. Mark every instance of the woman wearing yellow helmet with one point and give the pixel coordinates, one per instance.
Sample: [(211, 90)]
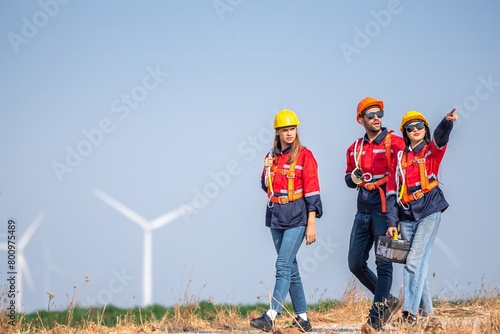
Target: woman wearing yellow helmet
[(290, 178), (415, 201)]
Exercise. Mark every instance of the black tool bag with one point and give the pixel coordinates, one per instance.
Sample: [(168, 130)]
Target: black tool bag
[(393, 250)]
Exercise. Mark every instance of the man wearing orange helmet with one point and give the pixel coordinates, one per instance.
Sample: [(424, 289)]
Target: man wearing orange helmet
[(415, 201), (368, 164)]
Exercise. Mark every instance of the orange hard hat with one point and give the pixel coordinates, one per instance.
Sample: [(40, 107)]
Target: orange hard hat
[(366, 103)]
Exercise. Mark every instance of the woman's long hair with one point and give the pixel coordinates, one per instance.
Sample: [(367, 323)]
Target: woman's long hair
[(294, 150)]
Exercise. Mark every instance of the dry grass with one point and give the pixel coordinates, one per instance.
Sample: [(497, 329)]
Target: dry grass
[(352, 308), (477, 315)]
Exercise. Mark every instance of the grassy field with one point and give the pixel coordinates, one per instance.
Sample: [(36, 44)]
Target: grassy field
[(479, 314)]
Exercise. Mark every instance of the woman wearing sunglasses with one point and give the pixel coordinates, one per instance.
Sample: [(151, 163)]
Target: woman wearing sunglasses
[(415, 201)]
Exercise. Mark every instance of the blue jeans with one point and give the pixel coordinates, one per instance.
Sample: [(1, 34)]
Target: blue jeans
[(421, 234), (366, 229), (287, 244)]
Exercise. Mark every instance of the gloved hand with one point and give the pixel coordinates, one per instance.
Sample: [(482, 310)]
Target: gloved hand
[(357, 176)]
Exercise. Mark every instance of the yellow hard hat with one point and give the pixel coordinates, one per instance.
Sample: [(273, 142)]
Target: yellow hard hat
[(366, 103), (285, 118), (412, 115)]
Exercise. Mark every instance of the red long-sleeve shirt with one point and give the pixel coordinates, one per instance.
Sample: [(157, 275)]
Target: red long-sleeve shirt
[(293, 214), (373, 162), (434, 200)]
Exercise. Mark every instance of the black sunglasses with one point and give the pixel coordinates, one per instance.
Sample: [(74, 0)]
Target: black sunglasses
[(371, 115), (411, 127)]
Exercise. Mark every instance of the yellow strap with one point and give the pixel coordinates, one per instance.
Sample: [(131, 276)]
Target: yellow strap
[(403, 165), (270, 183), (402, 191)]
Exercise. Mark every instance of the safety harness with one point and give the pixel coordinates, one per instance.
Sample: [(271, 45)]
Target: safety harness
[(405, 196), (290, 174), (378, 184)]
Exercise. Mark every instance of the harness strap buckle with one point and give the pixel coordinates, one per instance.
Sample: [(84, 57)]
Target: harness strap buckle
[(285, 199), (290, 175), (418, 194), (282, 199), (370, 186)]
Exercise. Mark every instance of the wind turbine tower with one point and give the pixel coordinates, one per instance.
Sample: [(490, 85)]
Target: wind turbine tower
[(147, 227)]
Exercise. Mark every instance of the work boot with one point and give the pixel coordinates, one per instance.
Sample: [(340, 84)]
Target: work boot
[(391, 307), (264, 323), (301, 324), (406, 319), (378, 315), (394, 304), (375, 323)]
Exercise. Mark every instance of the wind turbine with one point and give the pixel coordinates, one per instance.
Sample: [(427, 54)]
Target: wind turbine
[(22, 268), (148, 227)]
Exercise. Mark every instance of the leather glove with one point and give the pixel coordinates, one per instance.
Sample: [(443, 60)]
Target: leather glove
[(357, 176)]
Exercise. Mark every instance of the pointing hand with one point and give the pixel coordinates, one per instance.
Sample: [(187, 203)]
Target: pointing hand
[(452, 116)]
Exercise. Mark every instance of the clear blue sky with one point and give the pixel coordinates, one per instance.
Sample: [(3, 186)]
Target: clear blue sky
[(168, 104)]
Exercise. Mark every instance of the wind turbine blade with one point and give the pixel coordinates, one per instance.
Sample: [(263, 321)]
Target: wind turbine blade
[(130, 214), (24, 270), (167, 218), (448, 252), (31, 229), (3, 246)]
